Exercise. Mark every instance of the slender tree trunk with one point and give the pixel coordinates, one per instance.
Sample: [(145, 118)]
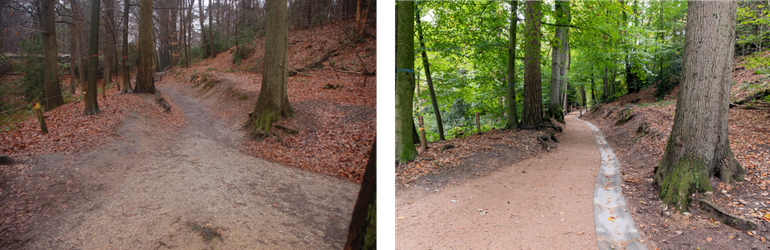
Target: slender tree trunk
[(513, 119), (145, 83), (425, 63), (606, 82), (126, 72), (211, 32), (405, 150), (109, 28), (593, 88), (362, 233), (698, 147), (532, 116), (583, 96), (91, 105), (273, 101), (75, 50), (53, 96)]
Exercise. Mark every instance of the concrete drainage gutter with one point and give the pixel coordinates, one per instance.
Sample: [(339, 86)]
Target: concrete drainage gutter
[(615, 229)]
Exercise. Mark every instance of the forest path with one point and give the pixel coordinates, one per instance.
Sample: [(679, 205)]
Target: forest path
[(543, 202), (148, 190)]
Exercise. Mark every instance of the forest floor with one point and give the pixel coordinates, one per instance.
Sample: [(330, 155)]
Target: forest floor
[(640, 142), (140, 177)]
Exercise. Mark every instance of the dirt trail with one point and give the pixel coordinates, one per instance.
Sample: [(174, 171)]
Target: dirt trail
[(146, 190), (543, 202)]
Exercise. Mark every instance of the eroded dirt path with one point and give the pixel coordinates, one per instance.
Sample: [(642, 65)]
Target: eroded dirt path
[(147, 189), (543, 202)]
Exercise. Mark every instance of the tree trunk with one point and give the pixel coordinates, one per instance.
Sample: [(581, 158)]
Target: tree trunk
[(126, 72), (558, 63), (362, 13), (429, 79), (74, 50), (405, 150), (91, 106), (606, 82), (698, 147), (211, 32), (362, 233), (583, 96), (593, 90), (145, 83), (109, 27), (53, 96), (206, 53), (532, 116), (273, 101), (513, 119)]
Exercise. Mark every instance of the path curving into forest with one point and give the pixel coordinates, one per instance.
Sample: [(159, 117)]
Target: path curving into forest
[(152, 187), (544, 202)]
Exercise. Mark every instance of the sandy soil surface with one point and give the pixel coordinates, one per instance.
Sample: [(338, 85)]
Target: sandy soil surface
[(156, 188), (540, 203)]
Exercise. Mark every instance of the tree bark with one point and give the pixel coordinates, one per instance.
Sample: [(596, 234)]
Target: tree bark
[(126, 72), (145, 83), (53, 96), (558, 62), (698, 147), (206, 53), (405, 150), (532, 115), (362, 233), (362, 13), (91, 105), (273, 100), (211, 32), (432, 93), (513, 118)]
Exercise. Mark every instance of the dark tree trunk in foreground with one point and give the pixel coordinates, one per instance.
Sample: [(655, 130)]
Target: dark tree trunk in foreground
[(532, 115), (53, 96), (145, 83), (513, 118), (405, 150), (362, 233), (362, 13), (89, 97), (126, 72), (699, 147), (273, 100), (211, 32), (425, 63)]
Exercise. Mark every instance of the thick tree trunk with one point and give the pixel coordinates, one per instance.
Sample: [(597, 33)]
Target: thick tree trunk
[(211, 33), (362, 233), (206, 53), (273, 101), (532, 115), (91, 106), (698, 147), (405, 150), (53, 96), (145, 83), (362, 13), (428, 77), (557, 63), (513, 118), (126, 72)]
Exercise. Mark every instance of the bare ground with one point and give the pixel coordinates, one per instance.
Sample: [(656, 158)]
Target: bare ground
[(156, 188), (543, 202)]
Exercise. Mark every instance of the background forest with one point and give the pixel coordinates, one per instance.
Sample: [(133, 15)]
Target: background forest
[(615, 48)]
